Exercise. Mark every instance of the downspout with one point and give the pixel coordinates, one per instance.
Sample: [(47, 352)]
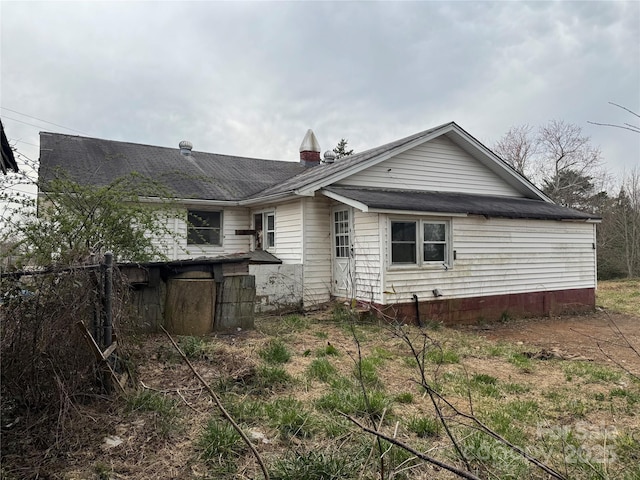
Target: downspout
[(415, 299)]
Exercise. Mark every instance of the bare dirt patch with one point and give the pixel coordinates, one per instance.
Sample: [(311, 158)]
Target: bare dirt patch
[(602, 336)]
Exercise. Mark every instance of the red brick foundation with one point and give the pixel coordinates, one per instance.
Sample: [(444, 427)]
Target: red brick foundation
[(494, 308)]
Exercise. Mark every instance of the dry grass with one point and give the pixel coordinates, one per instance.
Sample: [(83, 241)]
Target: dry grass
[(548, 406), (619, 295)]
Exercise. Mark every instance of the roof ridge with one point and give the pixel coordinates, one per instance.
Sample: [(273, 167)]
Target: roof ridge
[(137, 144)]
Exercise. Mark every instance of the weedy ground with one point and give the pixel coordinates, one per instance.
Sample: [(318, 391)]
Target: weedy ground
[(291, 381)]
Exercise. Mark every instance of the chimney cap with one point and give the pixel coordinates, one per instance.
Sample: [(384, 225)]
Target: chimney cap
[(310, 142)]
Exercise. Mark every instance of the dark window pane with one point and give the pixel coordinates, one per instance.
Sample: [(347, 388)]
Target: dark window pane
[(403, 231), (403, 253), (270, 222), (434, 232), (271, 239), (434, 252), (204, 219), (203, 227)]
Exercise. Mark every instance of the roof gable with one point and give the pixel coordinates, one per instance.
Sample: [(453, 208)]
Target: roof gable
[(436, 165), (310, 181)]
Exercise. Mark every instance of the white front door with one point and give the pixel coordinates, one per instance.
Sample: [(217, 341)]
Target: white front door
[(342, 252)]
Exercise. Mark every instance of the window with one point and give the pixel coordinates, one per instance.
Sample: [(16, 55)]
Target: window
[(265, 226), (341, 233), (403, 242), (204, 228), (406, 236), (434, 242)]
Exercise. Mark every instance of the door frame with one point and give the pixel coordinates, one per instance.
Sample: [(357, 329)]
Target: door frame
[(342, 283)]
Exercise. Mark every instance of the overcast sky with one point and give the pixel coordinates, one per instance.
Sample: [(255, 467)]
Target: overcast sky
[(248, 79)]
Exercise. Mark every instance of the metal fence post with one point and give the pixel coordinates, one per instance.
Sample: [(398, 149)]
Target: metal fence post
[(108, 291)]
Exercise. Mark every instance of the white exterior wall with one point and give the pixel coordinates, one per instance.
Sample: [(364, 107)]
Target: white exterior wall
[(438, 165), (498, 257), (367, 256), (288, 247), (278, 287), (235, 218), (316, 215)]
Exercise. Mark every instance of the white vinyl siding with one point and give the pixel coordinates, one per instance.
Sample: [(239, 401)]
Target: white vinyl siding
[(503, 256), (316, 214), (288, 232), (232, 219), (367, 258), (438, 165)]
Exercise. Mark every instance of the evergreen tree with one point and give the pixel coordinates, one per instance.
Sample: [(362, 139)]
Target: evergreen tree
[(341, 149)]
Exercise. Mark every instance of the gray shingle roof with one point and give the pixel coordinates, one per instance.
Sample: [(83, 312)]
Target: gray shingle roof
[(207, 176), (452, 203)]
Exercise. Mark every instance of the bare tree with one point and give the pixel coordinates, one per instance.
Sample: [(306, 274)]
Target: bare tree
[(558, 158), (517, 147), (562, 148), (627, 221)]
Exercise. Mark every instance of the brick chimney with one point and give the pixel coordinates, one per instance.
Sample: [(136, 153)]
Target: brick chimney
[(310, 150)]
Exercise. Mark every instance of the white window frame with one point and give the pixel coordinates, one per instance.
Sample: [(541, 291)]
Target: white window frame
[(268, 239), (191, 227), (420, 242)]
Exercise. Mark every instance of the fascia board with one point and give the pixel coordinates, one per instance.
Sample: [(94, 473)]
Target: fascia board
[(365, 208), (312, 187), (578, 220), (347, 201), (278, 197), (192, 201), (416, 213)]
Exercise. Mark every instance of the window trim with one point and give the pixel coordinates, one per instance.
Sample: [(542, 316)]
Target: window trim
[(420, 242), (191, 227), (264, 243)]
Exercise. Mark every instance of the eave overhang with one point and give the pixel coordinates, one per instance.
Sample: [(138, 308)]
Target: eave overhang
[(394, 201)]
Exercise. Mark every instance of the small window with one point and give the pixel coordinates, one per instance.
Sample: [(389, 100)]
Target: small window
[(265, 226), (434, 243), (270, 231), (403, 242), (204, 228)]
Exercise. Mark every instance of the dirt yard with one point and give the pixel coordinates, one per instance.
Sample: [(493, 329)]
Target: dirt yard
[(601, 336)]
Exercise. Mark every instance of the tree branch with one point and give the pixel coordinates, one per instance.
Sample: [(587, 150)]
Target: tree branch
[(420, 455), (220, 406)]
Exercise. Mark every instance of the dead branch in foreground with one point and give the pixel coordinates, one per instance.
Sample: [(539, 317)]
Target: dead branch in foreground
[(220, 406), (420, 455), (434, 395)]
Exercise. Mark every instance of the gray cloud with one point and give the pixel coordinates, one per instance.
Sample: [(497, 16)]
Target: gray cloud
[(250, 78)]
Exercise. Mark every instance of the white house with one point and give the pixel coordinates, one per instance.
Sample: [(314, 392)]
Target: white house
[(433, 223)]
